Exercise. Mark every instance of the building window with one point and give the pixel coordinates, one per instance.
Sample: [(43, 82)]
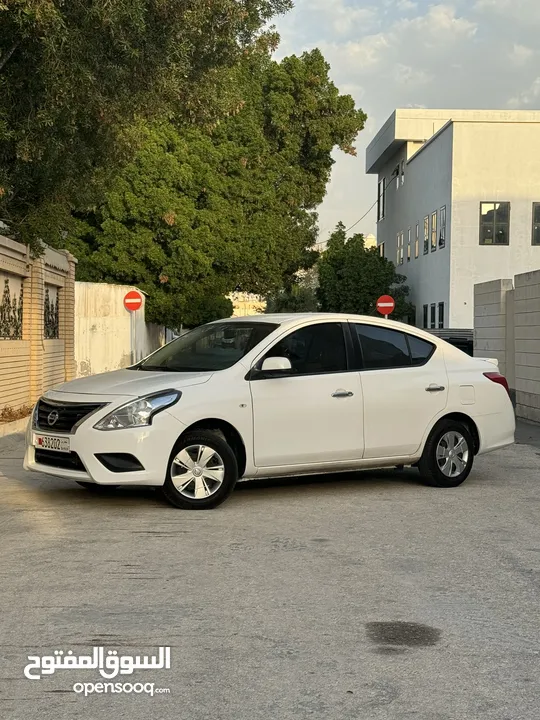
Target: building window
[(400, 249), (417, 241), (397, 175), (536, 224), (381, 200), (494, 223), (442, 230), (441, 316), (432, 316), (434, 231), (402, 173), (381, 249), (409, 245), (425, 319), (426, 235)]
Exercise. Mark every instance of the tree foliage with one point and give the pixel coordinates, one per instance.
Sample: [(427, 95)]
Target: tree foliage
[(200, 213), (75, 76), (353, 277)]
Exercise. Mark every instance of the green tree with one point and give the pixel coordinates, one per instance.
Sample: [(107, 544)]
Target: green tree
[(75, 77), (353, 277), (298, 299), (201, 213)]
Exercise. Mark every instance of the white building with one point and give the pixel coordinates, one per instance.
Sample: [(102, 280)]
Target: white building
[(458, 203)]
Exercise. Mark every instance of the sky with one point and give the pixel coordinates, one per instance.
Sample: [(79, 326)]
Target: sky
[(413, 53)]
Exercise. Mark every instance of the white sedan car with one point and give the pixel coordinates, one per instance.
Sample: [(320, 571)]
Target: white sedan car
[(275, 395)]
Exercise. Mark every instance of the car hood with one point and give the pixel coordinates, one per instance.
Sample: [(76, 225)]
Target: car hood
[(132, 383)]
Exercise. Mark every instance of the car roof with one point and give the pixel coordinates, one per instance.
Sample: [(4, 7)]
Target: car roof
[(294, 319)]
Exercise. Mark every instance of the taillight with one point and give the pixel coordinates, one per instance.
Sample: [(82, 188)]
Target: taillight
[(499, 379)]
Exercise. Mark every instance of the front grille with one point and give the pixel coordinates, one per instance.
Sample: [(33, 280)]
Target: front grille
[(66, 461), (59, 417)]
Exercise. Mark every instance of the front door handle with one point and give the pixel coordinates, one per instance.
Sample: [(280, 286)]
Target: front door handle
[(435, 388), (342, 394)]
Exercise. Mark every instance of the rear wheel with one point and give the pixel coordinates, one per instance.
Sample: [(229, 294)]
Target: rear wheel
[(202, 471), (448, 456)]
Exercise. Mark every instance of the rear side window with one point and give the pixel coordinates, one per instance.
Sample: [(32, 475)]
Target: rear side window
[(421, 350), (384, 349)]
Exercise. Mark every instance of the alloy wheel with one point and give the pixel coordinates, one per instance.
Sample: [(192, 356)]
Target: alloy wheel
[(197, 472), (452, 454)]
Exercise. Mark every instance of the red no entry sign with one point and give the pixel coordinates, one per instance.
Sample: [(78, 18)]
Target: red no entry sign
[(386, 305), (133, 300)]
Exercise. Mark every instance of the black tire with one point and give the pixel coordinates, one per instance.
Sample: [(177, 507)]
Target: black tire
[(97, 489), (430, 465), (223, 452)]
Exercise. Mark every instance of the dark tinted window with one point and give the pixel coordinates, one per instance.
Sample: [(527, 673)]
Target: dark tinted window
[(382, 348), (314, 349), (421, 350)]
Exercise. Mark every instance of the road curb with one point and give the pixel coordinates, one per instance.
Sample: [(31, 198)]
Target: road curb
[(16, 426)]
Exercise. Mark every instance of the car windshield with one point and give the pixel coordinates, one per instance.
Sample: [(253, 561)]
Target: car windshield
[(213, 347)]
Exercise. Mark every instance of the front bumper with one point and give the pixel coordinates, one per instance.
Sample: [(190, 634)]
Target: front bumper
[(151, 446)]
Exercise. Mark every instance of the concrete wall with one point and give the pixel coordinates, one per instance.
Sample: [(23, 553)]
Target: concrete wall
[(492, 162), (507, 326), (30, 364), (108, 337), (427, 188), (492, 329), (527, 345)]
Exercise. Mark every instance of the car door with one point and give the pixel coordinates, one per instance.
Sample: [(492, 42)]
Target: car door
[(314, 414), (405, 386)]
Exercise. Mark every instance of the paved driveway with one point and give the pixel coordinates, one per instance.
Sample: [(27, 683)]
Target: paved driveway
[(361, 597)]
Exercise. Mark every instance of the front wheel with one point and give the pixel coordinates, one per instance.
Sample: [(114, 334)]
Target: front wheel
[(448, 456), (202, 471)]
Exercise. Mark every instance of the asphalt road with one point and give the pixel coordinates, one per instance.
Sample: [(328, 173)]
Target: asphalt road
[(363, 597)]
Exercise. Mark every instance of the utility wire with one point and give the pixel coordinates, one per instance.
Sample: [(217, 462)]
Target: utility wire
[(395, 177)]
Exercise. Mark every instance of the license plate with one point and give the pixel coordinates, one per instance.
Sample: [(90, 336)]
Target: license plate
[(49, 442)]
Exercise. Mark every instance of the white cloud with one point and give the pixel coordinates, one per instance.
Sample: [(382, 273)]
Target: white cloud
[(528, 97), (521, 54), (415, 54)]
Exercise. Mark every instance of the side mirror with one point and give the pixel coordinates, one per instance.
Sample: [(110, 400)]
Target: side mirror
[(276, 365)]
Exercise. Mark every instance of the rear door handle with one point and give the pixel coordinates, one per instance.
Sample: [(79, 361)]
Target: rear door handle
[(342, 394), (435, 388)]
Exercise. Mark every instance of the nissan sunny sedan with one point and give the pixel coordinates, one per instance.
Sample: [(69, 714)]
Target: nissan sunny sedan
[(274, 395)]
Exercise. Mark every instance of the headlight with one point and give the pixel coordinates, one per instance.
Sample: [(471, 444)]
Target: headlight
[(35, 415), (140, 412)]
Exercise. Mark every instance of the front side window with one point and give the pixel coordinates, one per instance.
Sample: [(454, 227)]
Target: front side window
[(536, 224), (381, 200), (213, 347), (433, 232), (314, 349), (442, 231), (426, 235), (494, 223)]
